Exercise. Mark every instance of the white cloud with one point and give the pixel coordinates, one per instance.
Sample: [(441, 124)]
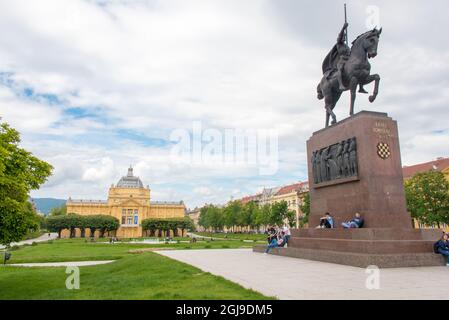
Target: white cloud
[(101, 171), (150, 67)]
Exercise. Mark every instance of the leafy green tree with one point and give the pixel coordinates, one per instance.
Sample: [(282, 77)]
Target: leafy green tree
[(57, 224), (20, 172), (263, 216), (305, 209), (59, 211), (427, 197), (253, 214), (150, 225), (211, 217), (186, 224), (231, 214), (73, 221), (203, 219), (107, 224), (93, 223), (281, 214)]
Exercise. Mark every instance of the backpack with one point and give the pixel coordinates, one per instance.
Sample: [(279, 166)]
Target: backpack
[(436, 246)]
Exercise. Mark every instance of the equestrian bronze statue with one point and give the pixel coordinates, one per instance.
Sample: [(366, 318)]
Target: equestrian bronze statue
[(346, 69)]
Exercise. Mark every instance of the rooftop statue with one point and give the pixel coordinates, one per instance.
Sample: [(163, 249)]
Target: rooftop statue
[(347, 68)]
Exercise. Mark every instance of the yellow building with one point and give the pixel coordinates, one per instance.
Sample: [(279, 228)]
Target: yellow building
[(129, 202)]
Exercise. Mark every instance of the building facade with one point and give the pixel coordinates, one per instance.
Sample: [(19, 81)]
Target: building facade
[(293, 194), (130, 202), (194, 215)]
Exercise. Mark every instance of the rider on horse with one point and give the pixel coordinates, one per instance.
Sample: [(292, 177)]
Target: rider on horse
[(337, 58)]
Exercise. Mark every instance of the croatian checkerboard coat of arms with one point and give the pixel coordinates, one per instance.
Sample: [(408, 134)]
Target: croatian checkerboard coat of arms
[(383, 150)]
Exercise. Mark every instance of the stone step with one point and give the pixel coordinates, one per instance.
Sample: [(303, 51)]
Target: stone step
[(361, 260), (363, 246), (369, 234)]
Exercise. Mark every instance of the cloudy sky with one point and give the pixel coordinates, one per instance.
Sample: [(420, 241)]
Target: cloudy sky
[(94, 86)]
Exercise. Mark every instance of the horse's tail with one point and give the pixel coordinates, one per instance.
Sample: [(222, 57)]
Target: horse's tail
[(320, 95)]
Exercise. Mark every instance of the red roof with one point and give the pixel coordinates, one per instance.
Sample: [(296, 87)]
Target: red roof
[(439, 164), (292, 188), (248, 199)]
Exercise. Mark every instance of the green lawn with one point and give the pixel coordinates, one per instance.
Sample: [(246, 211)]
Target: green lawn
[(236, 236), (141, 276), (79, 250)]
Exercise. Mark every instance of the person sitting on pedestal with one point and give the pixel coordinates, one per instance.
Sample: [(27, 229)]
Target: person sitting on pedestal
[(278, 241), (271, 234), (355, 223), (442, 247), (326, 222)]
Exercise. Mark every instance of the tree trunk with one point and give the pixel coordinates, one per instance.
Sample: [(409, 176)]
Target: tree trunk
[(83, 232), (59, 233)]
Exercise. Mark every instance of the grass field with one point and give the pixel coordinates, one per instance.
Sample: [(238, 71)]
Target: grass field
[(142, 276), (235, 236), (133, 276), (79, 250)]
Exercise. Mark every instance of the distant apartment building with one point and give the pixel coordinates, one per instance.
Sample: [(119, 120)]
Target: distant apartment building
[(293, 194)]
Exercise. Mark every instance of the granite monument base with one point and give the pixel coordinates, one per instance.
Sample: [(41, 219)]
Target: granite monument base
[(384, 248), (355, 167)]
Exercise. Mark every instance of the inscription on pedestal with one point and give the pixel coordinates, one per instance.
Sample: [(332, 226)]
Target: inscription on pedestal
[(335, 162)]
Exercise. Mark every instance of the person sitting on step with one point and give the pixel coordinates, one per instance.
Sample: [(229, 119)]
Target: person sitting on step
[(326, 222), (442, 247), (355, 223)]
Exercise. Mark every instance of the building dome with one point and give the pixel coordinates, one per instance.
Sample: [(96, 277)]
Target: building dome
[(130, 181)]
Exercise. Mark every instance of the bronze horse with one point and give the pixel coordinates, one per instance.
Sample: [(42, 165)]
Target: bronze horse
[(355, 72)]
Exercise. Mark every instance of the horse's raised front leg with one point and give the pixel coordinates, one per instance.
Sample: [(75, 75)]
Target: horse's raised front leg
[(353, 88), (376, 88), (369, 79)]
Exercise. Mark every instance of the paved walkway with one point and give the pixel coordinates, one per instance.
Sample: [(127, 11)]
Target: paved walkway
[(42, 238), (290, 278), (61, 264)]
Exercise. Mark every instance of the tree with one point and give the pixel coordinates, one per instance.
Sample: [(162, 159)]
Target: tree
[(58, 211), (20, 172), (281, 214), (231, 213), (186, 223), (107, 224), (254, 213), (150, 225), (57, 224), (305, 209), (203, 219), (263, 215), (211, 217), (427, 197), (71, 222), (93, 223)]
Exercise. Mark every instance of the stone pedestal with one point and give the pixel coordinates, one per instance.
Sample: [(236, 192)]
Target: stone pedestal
[(355, 166), (377, 190)]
